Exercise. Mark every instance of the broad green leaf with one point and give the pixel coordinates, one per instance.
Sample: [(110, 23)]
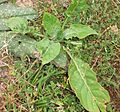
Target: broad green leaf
[(84, 83), (51, 52), (3, 26), (42, 45), (78, 30), (48, 50), (17, 24), (51, 24), (59, 35), (20, 25), (19, 45), (8, 10)]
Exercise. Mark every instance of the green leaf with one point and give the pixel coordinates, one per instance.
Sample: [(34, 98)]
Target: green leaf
[(72, 7), (17, 24), (84, 83), (19, 45), (51, 24), (76, 5), (48, 50), (78, 30), (20, 25), (42, 45), (51, 52), (8, 10)]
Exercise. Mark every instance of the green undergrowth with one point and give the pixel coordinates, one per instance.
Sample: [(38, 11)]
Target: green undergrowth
[(46, 88)]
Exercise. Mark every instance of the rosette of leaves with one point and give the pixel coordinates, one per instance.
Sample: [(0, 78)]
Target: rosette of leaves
[(52, 47), (82, 78)]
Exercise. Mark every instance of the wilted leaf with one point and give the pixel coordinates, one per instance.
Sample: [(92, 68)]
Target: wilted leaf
[(83, 81), (51, 24), (22, 46), (4, 38), (10, 10), (78, 30), (3, 26)]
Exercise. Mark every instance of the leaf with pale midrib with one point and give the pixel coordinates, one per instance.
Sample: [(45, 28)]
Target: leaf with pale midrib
[(83, 81)]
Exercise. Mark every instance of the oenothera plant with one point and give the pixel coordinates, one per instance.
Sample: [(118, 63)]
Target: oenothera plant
[(82, 78), (54, 47)]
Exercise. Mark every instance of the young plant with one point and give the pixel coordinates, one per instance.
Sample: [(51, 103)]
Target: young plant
[(54, 47), (82, 78)]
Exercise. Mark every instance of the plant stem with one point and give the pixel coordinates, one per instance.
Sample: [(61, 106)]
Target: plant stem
[(65, 22), (67, 52)]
